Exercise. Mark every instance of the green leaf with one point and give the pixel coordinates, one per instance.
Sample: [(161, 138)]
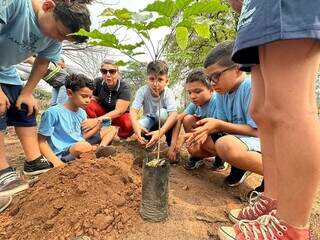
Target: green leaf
[(96, 34), (130, 47), (115, 22), (182, 36), (186, 23), (163, 8), (204, 7), (123, 13), (181, 4), (159, 22), (108, 12), (121, 63), (203, 30)]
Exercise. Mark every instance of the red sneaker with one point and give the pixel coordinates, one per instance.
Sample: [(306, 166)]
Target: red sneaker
[(267, 227), (258, 207)]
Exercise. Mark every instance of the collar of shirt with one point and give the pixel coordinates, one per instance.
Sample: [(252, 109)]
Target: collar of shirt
[(116, 89)]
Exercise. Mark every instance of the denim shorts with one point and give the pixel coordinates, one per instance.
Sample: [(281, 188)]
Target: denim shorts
[(13, 116), (266, 21)]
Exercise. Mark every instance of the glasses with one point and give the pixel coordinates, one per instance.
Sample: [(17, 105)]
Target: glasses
[(214, 77), (106, 71)]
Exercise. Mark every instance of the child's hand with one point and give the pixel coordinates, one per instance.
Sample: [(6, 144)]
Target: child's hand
[(27, 99), (139, 137), (88, 124), (207, 127), (4, 103), (155, 137)]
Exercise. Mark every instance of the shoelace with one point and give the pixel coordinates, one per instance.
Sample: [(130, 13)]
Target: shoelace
[(264, 226), (45, 161), (256, 204)]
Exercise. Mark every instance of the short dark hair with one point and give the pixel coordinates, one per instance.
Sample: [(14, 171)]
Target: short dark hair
[(221, 55), (74, 15), (158, 67), (75, 82), (198, 75), (109, 62)]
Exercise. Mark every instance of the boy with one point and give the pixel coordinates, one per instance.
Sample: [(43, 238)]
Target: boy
[(148, 97), (29, 27), (241, 147), (279, 40), (202, 105), (60, 136)]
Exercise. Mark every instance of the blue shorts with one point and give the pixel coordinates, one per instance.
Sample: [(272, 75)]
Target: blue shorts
[(13, 116), (266, 21), (252, 143)]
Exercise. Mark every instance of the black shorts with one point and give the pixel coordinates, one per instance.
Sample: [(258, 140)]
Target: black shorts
[(13, 116)]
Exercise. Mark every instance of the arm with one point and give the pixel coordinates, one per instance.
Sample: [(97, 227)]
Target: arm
[(175, 145), (30, 60), (121, 108), (136, 126), (92, 131), (47, 152), (39, 69), (208, 126), (156, 135), (236, 5)]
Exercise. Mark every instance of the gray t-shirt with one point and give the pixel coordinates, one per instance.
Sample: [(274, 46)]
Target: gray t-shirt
[(149, 103)]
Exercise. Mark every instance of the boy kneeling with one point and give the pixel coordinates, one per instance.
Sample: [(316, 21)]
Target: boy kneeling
[(61, 135)]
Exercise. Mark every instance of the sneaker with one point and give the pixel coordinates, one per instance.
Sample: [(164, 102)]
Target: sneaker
[(193, 163), (256, 192), (236, 177), (5, 202), (219, 165), (11, 183), (267, 227), (259, 206), (36, 167)]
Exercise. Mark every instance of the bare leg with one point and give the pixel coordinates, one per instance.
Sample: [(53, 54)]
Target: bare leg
[(3, 161), (266, 133), (235, 152), (79, 148), (29, 141), (289, 69)]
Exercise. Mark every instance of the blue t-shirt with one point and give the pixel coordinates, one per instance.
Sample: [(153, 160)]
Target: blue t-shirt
[(62, 127), (207, 110), (149, 103), (233, 106), (20, 38)]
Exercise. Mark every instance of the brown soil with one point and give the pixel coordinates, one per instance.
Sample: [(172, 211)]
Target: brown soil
[(101, 198)]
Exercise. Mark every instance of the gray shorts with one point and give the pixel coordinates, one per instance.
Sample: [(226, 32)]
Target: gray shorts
[(252, 143), (265, 21)]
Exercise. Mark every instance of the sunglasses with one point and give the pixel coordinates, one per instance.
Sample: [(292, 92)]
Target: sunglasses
[(214, 77), (106, 71)]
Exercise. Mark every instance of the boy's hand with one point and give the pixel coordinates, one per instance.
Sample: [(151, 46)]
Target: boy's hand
[(29, 100), (200, 134), (138, 135), (155, 137), (88, 124), (4, 103)]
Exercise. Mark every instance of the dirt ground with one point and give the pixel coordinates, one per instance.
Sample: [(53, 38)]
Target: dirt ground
[(198, 202)]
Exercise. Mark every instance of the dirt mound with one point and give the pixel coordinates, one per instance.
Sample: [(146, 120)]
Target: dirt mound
[(95, 198)]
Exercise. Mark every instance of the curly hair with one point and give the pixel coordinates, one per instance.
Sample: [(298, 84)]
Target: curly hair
[(75, 82)]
